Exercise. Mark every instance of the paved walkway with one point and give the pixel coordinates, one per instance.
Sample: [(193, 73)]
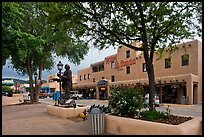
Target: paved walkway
[(33, 119)]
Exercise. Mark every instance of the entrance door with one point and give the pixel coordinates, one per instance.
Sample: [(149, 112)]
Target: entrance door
[(103, 93)]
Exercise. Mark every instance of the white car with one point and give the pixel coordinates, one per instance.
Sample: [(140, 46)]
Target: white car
[(75, 95), (156, 99)]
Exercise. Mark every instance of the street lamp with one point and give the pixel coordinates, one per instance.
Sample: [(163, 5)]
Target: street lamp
[(59, 67), (35, 76)]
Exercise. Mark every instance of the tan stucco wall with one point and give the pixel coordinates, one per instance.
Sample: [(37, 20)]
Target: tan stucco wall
[(159, 65), (200, 72), (127, 126), (176, 72), (16, 99), (65, 112)]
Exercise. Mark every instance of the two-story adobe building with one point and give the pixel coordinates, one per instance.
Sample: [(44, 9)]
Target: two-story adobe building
[(176, 77), (53, 86)]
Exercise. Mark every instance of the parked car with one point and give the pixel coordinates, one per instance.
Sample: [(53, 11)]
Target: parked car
[(42, 94), (75, 95), (156, 99)]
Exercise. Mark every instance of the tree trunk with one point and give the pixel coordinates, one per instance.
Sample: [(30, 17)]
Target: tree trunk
[(151, 77), (32, 97), (39, 78)]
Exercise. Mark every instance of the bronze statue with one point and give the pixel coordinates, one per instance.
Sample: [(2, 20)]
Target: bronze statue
[(66, 79)]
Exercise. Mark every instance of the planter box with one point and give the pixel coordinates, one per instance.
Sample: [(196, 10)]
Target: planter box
[(65, 112), (16, 99), (127, 126)]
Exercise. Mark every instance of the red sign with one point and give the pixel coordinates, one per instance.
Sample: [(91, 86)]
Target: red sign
[(124, 63), (110, 59)]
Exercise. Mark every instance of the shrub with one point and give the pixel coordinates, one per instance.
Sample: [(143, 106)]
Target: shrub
[(6, 89), (152, 115), (126, 102)]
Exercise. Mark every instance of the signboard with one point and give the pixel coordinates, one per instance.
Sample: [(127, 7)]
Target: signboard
[(102, 83), (110, 59), (103, 88), (123, 63)]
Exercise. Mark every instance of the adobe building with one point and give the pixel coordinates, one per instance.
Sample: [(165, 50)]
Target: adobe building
[(53, 86), (178, 78)]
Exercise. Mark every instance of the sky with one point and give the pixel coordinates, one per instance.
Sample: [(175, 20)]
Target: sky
[(94, 55)]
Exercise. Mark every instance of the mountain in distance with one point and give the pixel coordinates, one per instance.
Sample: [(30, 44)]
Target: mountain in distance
[(15, 80)]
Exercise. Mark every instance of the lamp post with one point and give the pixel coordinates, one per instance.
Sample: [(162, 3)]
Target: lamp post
[(35, 93), (59, 67)]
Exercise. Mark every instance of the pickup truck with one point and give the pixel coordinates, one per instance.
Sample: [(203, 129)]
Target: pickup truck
[(75, 95)]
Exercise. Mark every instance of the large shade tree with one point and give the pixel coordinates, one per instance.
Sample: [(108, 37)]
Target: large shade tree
[(156, 25), (39, 40)]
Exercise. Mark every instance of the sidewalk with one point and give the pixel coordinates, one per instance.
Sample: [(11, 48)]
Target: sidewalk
[(33, 119)]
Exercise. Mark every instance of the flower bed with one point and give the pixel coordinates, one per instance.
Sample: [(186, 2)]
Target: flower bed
[(128, 126)]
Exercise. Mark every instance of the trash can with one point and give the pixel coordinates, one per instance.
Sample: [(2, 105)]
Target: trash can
[(55, 96), (96, 121), (183, 100)]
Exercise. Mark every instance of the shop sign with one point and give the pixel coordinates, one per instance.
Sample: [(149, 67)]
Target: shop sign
[(103, 88), (102, 83), (123, 63), (110, 59)]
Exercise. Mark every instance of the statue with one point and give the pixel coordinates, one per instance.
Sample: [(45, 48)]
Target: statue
[(66, 79)]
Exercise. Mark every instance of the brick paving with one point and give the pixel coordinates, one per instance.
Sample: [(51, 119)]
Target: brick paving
[(33, 119)]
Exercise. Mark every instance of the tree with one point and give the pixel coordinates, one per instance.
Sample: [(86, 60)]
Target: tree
[(36, 41), (11, 21), (156, 25)]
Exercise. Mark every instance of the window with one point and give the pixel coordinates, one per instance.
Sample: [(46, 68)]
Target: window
[(168, 63), (112, 78), (84, 77), (94, 80), (128, 70), (128, 54), (80, 78), (144, 67), (101, 68), (88, 76), (102, 78), (112, 64), (94, 69), (185, 60)]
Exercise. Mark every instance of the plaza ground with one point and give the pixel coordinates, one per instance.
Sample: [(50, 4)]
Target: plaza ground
[(33, 119)]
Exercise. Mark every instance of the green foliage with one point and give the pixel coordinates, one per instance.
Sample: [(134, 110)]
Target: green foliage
[(126, 101), (152, 115), (6, 89)]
